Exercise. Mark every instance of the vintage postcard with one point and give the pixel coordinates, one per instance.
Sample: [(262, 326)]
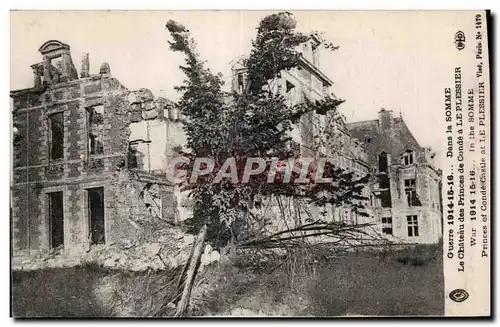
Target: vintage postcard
[(250, 164)]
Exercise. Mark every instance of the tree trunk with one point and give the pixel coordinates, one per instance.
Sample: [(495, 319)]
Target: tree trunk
[(191, 271)]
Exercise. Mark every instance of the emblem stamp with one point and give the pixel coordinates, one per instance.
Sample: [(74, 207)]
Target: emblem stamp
[(459, 295), (460, 40)]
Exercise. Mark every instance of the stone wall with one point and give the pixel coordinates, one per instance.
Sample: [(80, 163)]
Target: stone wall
[(391, 135), (127, 216)]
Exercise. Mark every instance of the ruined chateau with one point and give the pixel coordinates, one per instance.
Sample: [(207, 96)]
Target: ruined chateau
[(405, 197), (83, 173), (89, 159)]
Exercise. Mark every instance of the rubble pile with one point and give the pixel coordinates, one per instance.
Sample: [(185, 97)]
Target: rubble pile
[(171, 250), (144, 106)]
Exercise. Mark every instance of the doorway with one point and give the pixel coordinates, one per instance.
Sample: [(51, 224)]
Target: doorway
[(96, 215), (56, 219)]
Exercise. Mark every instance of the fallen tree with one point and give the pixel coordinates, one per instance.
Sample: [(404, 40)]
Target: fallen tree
[(254, 123)]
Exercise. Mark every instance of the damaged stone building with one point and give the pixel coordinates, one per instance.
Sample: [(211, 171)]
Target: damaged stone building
[(83, 169), (308, 81), (404, 192), (406, 187)]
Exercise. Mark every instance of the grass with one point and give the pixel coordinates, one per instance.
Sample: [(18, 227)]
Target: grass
[(90, 291), (408, 282), (368, 285), (402, 283), (58, 292)]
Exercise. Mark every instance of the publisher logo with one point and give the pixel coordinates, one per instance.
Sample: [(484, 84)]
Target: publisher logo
[(459, 295), (460, 40)]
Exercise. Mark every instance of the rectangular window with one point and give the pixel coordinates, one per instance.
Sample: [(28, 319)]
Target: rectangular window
[(383, 162), (241, 82), (345, 216), (412, 225), (56, 219), (315, 55), (407, 158), (132, 156), (385, 187), (384, 182), (95, 120), (411, 192), (305, 51), (95, 198), (290, 94), (56, 136), (387, 225), (386, 201)]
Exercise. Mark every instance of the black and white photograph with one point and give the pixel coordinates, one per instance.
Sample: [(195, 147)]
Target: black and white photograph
[(239, 163)]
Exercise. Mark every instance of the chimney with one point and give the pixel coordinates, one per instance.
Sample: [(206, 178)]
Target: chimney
[(85, 67), (385, 119), (104, 69)]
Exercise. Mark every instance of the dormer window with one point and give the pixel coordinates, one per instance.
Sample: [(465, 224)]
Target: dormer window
[(57, 65), (407, 158), (241, 82), (315, 55)]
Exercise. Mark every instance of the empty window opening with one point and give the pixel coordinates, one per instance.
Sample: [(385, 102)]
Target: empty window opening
[(407, 158), (383, 162), (152, 199), (289, 96), (315, 55), (386, 199), (412, 225), (56, 137), (95, 120), (241, 82), (132, 156), (56, 219), (411, 193), (57, 62), (384, 182), (96, 215), (345, 216), (387, 225)]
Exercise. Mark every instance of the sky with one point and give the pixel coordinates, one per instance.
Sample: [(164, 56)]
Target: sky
[(401, 61)]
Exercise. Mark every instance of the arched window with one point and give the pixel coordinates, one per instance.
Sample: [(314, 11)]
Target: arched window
[(407, 158)]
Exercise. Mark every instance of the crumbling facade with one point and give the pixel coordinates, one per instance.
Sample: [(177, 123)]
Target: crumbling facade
[(308, 81), (406, 186), (83, 169), (90, 158)]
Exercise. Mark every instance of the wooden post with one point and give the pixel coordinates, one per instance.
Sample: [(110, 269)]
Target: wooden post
[(191, 272)]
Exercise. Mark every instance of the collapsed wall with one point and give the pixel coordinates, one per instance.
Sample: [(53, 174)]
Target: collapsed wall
[(89, 162)]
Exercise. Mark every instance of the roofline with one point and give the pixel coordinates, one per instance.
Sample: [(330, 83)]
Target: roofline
[(362, 121), (39, 89), (302, 60), (372, 120), (316, 71)]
